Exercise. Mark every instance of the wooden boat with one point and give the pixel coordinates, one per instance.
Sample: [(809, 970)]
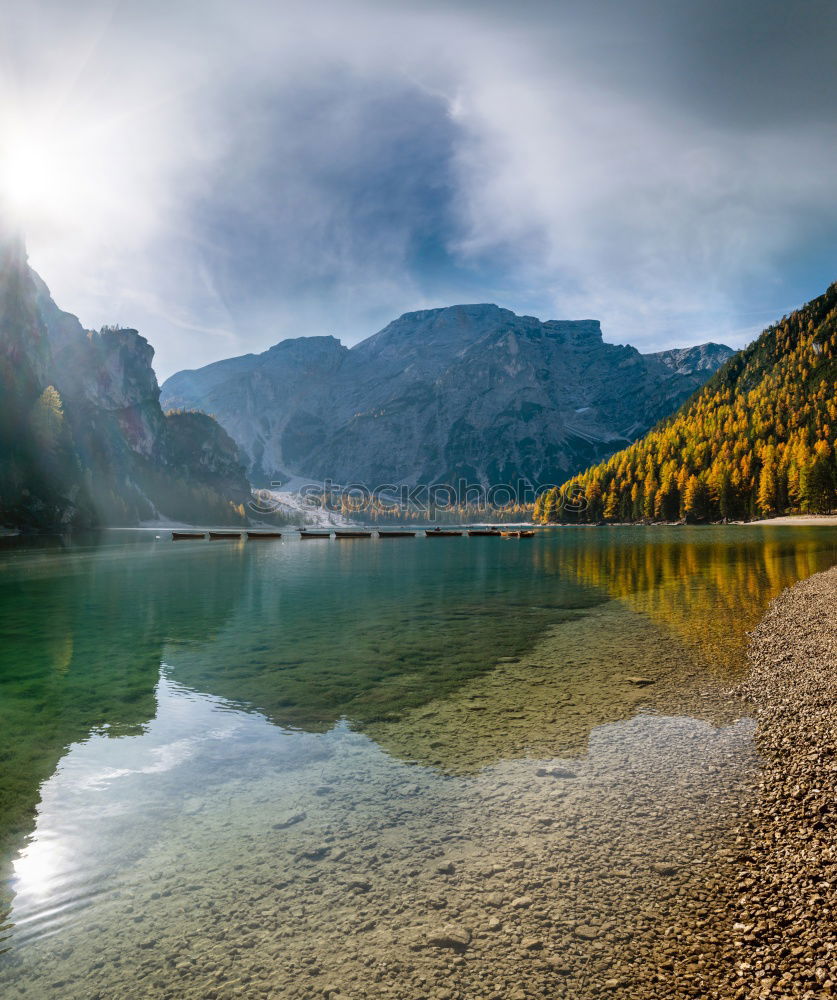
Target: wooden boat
[(518, 534), (396, 534), (484, 532), (441, 533), (510, 534), (263, 534), (315, 534), (217, 536), (352, 534), (527, 534), (181, 536)]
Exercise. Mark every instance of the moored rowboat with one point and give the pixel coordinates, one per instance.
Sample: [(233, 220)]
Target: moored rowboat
[(216, 536), (439, 533), (180, 536), (483, 532), (352, 534), (315, 534), (264, 534), (396, 534)]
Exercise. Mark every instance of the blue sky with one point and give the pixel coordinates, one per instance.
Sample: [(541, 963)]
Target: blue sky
[(223, 176)]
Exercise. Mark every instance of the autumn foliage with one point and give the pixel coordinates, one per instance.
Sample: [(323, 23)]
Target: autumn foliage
[(757, 440)]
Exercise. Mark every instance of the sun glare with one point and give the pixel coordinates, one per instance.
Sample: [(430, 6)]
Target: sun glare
[(32, 183), (43, 180), (37, 867), (25, 180), (76, 177)]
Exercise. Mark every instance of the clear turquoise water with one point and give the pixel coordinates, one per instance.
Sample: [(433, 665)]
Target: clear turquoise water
[(167, 708)]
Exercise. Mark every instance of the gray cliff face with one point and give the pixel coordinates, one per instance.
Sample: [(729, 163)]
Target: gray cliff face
[(275, 405), (469, 392), (689, 360), (82, 434)]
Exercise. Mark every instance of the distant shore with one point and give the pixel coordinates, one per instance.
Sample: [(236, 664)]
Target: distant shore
[(822, 519)]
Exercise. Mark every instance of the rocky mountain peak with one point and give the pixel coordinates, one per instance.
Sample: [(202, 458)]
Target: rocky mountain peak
[(428, 332), (470, 390), (579, 332), (306, 346), (688, 360), (303, 351)]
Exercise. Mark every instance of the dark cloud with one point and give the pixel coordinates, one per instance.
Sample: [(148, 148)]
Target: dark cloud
[(345, 184), (746, 62)]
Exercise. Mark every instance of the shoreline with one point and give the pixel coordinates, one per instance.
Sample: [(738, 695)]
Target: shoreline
[(764, 924), (785, 927), (822, 519)]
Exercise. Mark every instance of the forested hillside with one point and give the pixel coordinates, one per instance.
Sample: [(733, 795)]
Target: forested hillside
[(757, 440)]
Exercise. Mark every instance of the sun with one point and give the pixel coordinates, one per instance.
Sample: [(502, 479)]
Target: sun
[(31, 181), (43, 174), (74, 175), (85, 168), (24, 180)]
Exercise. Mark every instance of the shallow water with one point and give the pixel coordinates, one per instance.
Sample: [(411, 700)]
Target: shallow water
[(279, 769)]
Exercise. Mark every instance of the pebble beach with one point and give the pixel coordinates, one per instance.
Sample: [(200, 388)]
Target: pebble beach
[(785, 932), (765, 925)]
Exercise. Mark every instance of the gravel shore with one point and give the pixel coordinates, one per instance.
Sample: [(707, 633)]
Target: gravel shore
[(785, 934), (763, 923)]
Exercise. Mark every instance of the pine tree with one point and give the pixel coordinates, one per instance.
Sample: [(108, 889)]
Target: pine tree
[(48, 419), (696, 499), (818, 486), (767, 499), (611, 507), (550, 508), (595, 507)]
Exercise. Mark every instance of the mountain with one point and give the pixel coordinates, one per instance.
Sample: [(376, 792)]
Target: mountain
[(469, 392), (759, 439), (83, 439), (692, 360)]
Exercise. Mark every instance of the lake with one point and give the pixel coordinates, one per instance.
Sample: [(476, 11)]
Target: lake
[(471, 767)]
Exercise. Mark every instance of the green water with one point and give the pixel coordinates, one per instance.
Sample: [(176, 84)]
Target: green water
[(169, 711)]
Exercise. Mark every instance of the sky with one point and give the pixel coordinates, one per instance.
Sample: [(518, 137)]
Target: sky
[(222, 176)]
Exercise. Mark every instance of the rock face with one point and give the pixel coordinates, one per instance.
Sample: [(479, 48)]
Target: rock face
[(275, 405), (469, 392), (691, 360), (82, 434)]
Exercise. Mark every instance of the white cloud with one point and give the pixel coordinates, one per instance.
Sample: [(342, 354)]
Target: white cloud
[(232, 174)]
